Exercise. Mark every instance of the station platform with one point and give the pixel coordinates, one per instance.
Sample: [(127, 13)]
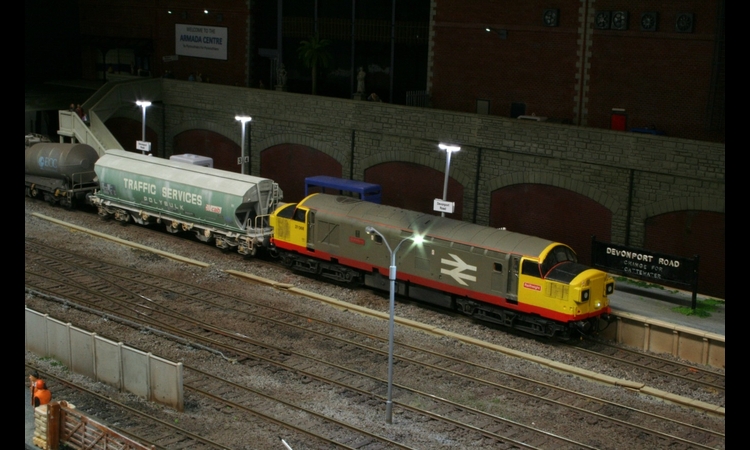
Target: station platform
[(660, 303)]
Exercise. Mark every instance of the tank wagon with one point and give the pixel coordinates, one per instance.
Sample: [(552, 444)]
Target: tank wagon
[(60, 173), (496, 275), (230, 209)]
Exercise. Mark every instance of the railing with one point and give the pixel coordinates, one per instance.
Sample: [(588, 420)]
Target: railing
[(103, 105), (72, 126), (418, 98)]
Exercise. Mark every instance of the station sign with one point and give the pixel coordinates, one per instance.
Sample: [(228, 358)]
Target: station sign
[(644, 264), (443, 206), (143, 146)]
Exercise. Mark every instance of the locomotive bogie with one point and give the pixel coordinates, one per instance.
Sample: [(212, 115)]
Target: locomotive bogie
[(493, 274)]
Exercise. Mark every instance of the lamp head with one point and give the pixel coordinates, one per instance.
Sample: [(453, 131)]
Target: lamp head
[(243, 119), (369, 230), (143, 103), (449, 148)]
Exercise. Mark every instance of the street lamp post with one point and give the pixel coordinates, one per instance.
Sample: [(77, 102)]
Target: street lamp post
[(392, 277), (143, 105), (448, 150), (244, 120)]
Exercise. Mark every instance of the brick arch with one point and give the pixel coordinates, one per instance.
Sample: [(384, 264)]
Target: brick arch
[(415, 186), (579, 187), (686, 227), (232, 133), (457, 174), (223, 150), (289, 164), (681, 204), (127, 130), (337, 151), (551, 212)]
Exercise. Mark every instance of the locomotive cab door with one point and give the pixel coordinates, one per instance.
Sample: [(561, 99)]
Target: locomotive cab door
[(311, 230), (512, 293)]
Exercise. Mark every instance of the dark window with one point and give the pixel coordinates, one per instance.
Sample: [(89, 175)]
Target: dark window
[(531, 268), (287, 212), (557, 255), (517, 109)]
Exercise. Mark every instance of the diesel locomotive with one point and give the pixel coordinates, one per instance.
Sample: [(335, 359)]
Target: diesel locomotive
[(496, 275)]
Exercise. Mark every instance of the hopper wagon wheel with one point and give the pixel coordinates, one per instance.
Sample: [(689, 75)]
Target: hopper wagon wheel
[(172, 227), (204, 235)]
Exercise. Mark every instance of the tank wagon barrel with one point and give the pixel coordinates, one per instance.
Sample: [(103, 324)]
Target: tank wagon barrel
[(61, 173), (228, 208)]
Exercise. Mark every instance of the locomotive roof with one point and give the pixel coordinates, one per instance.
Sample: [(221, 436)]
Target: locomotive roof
[(189, 174), (436, 227)]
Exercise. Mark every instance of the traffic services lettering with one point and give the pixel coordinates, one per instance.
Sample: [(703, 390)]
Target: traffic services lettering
[(167, 193)]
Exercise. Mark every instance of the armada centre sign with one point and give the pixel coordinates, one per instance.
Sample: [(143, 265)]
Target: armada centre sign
[(201, 41)]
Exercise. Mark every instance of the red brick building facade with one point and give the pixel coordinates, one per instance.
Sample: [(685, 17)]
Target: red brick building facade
[(660, 64)]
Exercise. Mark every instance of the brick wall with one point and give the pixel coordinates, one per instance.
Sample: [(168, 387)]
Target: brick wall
[(577, 72)]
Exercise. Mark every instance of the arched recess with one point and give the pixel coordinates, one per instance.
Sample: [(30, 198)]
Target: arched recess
[(220, 148), (415, 187), (289, 165), (127, 131), (688, 233), (553, 213)]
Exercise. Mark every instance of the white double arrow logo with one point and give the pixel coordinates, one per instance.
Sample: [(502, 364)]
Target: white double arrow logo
[(458, 268)]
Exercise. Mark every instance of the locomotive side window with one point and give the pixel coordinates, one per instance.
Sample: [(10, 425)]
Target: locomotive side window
[(299, 215), (499, 267), (531, 269)]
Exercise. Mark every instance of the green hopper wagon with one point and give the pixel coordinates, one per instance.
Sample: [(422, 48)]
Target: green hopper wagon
[(227, 208)]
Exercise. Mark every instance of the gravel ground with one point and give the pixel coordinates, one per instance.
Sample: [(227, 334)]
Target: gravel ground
[(202, 417)]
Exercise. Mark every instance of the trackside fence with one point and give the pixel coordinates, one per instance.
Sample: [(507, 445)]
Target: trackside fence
[(114, 363), (59, 425)]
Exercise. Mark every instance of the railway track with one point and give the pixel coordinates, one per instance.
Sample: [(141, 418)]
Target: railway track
[(146, 428), (691, 375), (414, 363)]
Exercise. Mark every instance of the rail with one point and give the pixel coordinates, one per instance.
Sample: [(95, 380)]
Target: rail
[(60, 424)]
